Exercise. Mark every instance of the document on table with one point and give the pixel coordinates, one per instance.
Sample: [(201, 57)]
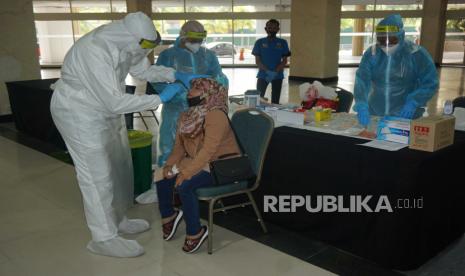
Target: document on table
[(459, 114), (384, 145)]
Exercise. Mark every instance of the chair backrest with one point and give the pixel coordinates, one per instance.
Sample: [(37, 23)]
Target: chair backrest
[(150, 90), (345, 100), (254, 129), (459, 102), (130, 89)]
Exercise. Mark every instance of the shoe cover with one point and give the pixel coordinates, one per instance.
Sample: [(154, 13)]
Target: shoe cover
[(148, 197), (133, 226), (116, 247)]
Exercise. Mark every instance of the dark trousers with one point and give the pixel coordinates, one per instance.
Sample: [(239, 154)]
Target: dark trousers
[(190, 202), (276, 85)]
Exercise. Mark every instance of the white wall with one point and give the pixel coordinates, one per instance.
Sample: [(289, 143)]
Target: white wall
[(18, 51)]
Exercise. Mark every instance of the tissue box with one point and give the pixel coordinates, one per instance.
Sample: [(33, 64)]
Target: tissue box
[(394, 129), (322, 114), (432, 133)]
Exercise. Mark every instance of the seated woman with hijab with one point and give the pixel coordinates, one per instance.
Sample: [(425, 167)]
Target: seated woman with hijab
[(203, 134)]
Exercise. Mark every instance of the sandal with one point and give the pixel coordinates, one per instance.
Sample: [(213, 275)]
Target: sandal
[(192, 245), (169, 228)]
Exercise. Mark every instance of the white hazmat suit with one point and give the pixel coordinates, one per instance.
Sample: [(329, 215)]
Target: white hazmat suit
[(87, 107)]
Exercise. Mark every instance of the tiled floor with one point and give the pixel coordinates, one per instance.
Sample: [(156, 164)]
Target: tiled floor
[(43, 230)]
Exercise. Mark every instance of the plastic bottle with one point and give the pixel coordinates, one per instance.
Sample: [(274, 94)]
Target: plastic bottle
[(448, 108)]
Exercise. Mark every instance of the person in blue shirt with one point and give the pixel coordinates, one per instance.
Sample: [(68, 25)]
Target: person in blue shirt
[(188, 58), (396, 77), (271, 55)]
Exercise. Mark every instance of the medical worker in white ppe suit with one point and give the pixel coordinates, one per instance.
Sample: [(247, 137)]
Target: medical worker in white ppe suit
[(87, 107)]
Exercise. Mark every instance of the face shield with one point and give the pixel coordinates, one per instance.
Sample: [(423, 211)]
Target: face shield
[(387, 38), (194, 40), (149, 45)]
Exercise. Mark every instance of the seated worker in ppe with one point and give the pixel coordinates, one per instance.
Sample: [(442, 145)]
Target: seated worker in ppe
[(87, 107), (203, 134), (187, 56), (396, 77)]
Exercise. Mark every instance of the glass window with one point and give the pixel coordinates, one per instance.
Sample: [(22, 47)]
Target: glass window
[(84, 26), (370, 5), (57, 6), (90, 6), (358, 5), (54, 38), (261, 6), (399, 5), (454, 47), (356, 36), (208, 6), (167, 6), (219, 39), (245, 35), (118, 6), (456, 5), (169, 31), (285, 30)]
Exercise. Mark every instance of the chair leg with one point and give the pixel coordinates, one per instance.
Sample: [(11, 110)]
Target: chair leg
[(221, 204), (143, 120), (210, 226), (257, 212), (155, 116)]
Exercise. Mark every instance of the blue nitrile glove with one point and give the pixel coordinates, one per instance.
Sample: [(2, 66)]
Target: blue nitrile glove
[(222, 80), (186, 78), (170, 91), (363, 116), (270, 75), (408, 110)]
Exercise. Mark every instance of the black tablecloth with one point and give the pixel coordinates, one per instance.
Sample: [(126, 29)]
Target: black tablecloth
[(30, 105), (301, 162)]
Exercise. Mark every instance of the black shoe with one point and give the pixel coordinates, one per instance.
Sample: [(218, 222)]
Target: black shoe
[(169, 228), (192, 245)]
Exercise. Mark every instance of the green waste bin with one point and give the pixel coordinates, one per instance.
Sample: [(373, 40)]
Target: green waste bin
[(141, 151)]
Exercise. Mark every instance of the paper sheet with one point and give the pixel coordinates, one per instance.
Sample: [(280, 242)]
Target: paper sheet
[(459, 114), (384, 145)]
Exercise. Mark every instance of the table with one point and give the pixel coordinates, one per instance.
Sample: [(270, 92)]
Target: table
[(30, 105), (303, 162)]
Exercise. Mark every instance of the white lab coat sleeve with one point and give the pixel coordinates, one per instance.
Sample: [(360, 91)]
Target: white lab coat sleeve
[(101, 82), (152, 73)]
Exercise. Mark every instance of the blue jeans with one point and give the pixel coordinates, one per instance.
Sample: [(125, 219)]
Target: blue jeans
[(190, 203)]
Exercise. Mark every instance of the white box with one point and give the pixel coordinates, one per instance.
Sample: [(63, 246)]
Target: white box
[(394, 129), (295, 118)]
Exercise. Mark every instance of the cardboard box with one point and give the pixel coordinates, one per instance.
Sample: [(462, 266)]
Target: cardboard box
[(432, 133), (393, 129)]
